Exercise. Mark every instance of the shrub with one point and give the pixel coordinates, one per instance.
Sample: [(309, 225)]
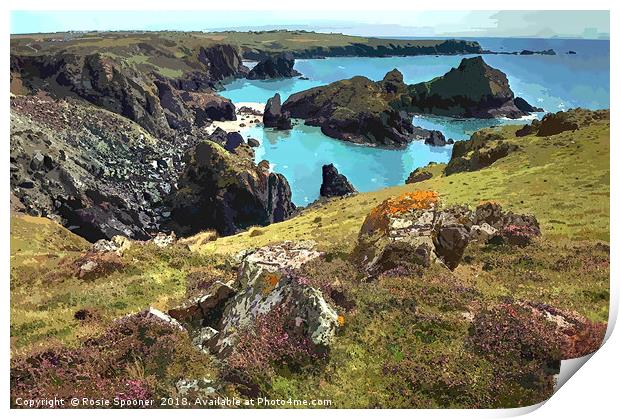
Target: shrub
[(273, 341), (102, 367)]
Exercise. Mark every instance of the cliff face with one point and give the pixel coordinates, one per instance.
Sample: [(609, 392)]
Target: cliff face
[(227, 192), (92, 170), (147, 95)]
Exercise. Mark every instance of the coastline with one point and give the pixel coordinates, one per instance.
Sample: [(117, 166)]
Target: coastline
[(249, 114)]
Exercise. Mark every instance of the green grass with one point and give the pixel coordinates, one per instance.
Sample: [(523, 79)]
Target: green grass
[(46, 291), (405, 341), (266, 41)]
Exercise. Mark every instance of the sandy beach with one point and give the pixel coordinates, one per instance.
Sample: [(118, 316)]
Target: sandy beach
[(248, 114)]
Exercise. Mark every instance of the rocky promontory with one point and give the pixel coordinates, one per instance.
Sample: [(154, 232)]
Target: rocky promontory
[(472, 90), (164, 100), (274, 67), (362, 111)]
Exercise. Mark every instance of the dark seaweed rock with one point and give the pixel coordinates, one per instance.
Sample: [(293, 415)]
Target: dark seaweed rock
[(274, 116), (253, 142), (274, 67), (524, 106), (334, 183), (436, 138)]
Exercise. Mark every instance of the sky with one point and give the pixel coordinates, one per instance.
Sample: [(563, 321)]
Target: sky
[(513, 23)]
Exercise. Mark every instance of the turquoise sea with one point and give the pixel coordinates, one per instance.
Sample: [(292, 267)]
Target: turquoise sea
[(554, 83)]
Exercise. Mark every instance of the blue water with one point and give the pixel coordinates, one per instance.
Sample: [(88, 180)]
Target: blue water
[(552, 82)]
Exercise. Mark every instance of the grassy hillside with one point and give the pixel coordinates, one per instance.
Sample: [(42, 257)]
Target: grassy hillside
[(562, 179), (406, 339)]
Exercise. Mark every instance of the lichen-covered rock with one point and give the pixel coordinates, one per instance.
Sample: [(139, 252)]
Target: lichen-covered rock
[(204, 310), (268, 281), (414, 229), (154, 314), (482, 233), (399, 231), (117, 244), (206, 339), (164, 240)]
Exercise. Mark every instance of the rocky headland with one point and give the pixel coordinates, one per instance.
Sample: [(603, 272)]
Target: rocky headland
[(379, 113)]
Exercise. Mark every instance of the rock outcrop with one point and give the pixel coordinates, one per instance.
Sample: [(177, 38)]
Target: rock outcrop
[(418, 175), (334, 183), (227, 192), (379, 113), (268, 281), (436, 139), (413, 230), (483, 149), (473, 89), (559, 122), (274, 67), (274, 116), (356, 110), (95, 172)]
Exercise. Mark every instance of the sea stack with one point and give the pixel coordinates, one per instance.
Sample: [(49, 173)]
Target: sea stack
[(274, 117), (335, 184)]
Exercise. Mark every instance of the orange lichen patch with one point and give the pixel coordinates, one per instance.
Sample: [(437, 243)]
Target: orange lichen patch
[(378, 218), (341, 320), (272, 280)]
